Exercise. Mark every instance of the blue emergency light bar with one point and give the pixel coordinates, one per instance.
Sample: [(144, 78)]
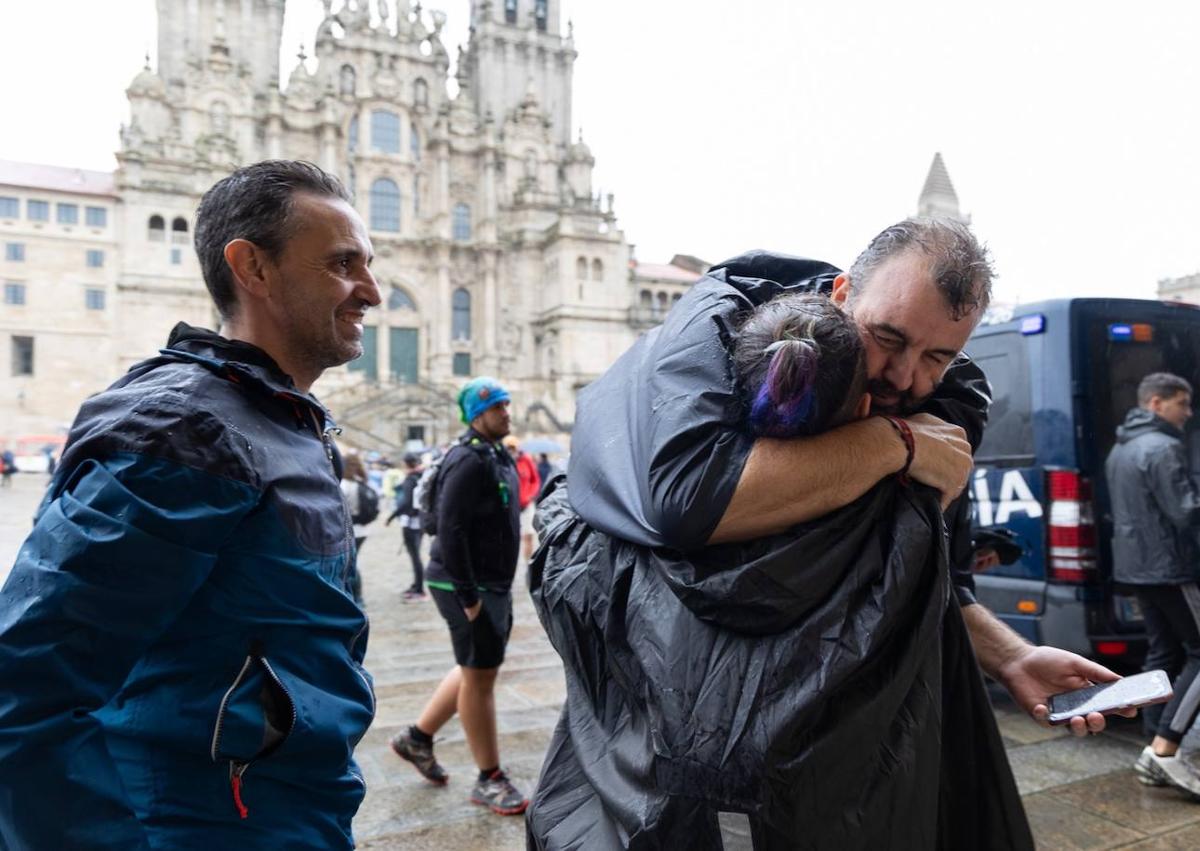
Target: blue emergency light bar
[(1120, 332), (1035, 324)]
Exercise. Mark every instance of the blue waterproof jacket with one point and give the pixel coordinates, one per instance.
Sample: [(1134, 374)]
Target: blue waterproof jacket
[(180, 660)]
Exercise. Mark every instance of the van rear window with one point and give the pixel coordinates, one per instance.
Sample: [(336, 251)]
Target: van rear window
[(1008, 438), (1115, 367)]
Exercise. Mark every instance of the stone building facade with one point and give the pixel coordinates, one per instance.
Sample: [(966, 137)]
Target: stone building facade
[(494, 255)]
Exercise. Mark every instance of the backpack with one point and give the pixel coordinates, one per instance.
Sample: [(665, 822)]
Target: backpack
[(425, 496), (368, 505)]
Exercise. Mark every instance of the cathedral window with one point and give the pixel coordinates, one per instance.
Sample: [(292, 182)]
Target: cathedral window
[(179, 231), (385, 205), (462, 363), (581, 268), (21, 356), (14, 293), (662, 302), (156, 229), (352, 135), (94, 258), (531, 164), (646, 300), (414, 142), (37, 211), (597, 269), (218, 118), (14, 252), (462, 222), (96, 217), (385, 132), (510, 11), (346, 80), (541, 14), (67, 214), (398, 299), (416, 195), (93, 299), (460, 315), (421, 93), (10, 207)]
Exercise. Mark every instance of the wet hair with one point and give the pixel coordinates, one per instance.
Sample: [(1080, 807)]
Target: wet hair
[(1164, 385), (960, 266), (254, 203), (800, 364)]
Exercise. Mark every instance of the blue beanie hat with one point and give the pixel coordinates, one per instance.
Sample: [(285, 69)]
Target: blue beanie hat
[(478, 395)]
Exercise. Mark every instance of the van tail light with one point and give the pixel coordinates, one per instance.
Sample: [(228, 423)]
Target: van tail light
[(1071, 532)]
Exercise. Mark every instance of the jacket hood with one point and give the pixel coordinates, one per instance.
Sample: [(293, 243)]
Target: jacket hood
[(756, 269), (1139, 421)]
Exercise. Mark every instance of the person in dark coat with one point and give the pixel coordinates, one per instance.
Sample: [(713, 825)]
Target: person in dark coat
[(471, 568), (1156, 520), (180, 654), (410, 521), (668, 489)]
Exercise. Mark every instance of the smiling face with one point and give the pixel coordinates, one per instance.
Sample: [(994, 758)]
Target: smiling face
[(322, 284), (908, 330)]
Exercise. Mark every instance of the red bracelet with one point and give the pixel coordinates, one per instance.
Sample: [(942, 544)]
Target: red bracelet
[(910, 445)]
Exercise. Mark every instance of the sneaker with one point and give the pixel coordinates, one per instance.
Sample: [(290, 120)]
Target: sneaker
[(421, 756), (499, 795), (1177, 773), (1148, 771), (412, 595)]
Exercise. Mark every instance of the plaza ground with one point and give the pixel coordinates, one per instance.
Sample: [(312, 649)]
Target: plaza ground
[(1079, 793)]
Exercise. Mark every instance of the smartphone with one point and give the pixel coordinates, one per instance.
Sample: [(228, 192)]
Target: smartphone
[(1139, 690)]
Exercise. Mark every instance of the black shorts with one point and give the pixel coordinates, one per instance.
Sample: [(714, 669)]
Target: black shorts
[(479, 643)]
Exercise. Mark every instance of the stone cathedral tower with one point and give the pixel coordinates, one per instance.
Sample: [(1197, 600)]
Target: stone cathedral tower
[(493, 254)]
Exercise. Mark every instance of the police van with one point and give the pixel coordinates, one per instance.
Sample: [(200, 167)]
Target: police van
[(1063, 374)]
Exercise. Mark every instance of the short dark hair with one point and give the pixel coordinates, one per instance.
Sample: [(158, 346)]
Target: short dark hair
[(254, 203), (801, 366), (959, 264), (1164, 385)]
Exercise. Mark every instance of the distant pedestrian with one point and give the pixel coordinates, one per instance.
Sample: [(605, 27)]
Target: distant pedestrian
[(8, 466), (363, 506), (410, 523), (1156, 517), (471, 569), (530, 483), (545, 468)]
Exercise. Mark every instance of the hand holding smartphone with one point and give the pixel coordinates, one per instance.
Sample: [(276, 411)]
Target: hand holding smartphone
[(1129, 692)]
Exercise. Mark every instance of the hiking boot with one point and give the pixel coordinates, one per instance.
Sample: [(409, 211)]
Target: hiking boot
[(499, 795), (421, 756), (1147, 770), (1176, 772)]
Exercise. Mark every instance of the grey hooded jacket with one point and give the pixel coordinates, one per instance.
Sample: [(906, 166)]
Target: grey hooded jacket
[(1155, 506)]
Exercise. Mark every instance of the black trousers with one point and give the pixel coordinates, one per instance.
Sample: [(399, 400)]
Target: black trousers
[(1172, 614), (412, 543)]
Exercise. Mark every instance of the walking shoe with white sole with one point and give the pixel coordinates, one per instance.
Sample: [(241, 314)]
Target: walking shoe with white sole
[(499, 795), (1177, 773), (421, 756), (1147, 769)]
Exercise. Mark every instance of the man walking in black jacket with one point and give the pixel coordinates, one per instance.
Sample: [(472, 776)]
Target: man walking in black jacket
[(410, 523), (1156, 515), (471, 568)]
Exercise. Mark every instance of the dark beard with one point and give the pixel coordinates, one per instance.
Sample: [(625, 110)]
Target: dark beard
[(906, 403)]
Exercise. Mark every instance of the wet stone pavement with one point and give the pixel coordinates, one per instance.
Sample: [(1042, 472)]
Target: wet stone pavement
[(1079, 793)]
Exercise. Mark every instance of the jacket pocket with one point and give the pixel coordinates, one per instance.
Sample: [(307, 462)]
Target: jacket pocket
[(255, 718)]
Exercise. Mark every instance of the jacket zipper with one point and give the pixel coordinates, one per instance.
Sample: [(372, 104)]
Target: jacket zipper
[(238, 768)]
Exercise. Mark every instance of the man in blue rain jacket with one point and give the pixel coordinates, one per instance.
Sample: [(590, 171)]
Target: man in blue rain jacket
[(180, 659)]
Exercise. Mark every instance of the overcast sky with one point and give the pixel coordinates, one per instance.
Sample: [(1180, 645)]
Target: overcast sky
[(1069, 128)]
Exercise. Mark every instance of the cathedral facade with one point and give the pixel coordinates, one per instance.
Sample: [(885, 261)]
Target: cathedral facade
[(493, 253)]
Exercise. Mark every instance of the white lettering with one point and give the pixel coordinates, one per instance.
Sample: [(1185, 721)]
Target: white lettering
[(1015, 496), (983, 498)]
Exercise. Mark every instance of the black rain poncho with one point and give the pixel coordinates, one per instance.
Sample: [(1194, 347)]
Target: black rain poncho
[(820, 681)]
